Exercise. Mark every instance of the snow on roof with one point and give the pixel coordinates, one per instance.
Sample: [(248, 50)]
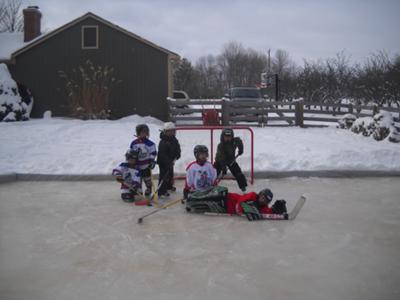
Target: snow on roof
[(9, 43)]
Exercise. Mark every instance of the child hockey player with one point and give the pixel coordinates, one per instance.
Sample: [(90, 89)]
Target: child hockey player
[(127, 174), (147, 154), (169, 151), (200, 174), (226, 157), (252, 205)]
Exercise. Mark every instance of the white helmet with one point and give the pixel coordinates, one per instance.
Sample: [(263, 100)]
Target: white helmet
[(169, 126)]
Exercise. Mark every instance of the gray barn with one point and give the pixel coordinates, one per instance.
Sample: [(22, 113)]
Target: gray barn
[(143, 69)]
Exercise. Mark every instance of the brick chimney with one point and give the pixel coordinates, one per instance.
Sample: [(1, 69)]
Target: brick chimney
[(32, 16)]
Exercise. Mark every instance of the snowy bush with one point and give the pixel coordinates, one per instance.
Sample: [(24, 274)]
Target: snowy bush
[(365, 125), (346, 121), (380, 127), (12, 108), (384, 126)]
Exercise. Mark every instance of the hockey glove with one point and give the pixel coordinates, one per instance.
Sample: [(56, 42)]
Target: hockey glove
[(279, 207), (251, 212)]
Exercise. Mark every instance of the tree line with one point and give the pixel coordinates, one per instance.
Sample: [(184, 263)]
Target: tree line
[(328, 80), (11, 18)]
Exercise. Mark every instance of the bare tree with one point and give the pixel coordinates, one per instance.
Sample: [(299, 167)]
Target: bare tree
[(232, 63), (2, 10), (209, 77), (11, 19), (281, 62), (241, 66)]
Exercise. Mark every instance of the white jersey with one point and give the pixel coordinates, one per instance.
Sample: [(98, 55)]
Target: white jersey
[(200, 177), (147, 152), (130, 176)]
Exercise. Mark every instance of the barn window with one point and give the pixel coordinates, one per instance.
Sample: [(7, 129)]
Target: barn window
[(90, 37)]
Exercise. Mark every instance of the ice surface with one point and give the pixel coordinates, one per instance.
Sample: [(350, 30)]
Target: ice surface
[(77, 240)]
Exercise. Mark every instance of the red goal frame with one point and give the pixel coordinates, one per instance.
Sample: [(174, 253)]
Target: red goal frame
[(211, 129)]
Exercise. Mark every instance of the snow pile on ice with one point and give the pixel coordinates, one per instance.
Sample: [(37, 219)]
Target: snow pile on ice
[(380, 127), (12, 108), (65, 146), (47, 114)]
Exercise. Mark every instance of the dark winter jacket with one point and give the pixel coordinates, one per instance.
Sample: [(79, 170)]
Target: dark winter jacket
[(168, 150), (226, 151)]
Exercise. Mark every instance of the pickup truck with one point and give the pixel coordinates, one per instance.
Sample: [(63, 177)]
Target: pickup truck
[(180, 95), (244, 94)]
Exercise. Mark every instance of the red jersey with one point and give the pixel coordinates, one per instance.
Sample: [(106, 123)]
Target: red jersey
[(233, 203)]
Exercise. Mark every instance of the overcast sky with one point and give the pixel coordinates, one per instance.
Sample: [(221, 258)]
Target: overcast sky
[(309, 29)]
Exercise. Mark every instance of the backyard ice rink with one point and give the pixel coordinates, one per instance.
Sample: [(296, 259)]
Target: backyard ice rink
[(77, 240)]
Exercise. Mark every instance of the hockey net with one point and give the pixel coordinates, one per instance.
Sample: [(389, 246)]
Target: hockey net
[(190, 136)]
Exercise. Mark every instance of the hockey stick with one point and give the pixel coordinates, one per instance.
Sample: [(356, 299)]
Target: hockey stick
[(140, 220), (145, 201), (229, 165), (234, 160), (152, 198), (274, 217)]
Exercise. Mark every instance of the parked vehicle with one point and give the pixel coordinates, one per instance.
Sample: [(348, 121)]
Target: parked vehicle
[(244, 94), (180, 95), (251, 95)]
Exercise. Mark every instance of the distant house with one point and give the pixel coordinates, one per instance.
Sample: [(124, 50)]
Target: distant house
[(143, 68)]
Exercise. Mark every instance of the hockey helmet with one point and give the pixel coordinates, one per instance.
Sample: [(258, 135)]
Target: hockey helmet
[(132, 154), (227, 132), (267, 193), (142, 127), (169, 126), (200, 149)]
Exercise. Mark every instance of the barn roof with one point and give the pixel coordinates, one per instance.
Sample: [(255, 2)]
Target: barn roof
[(12, 44)]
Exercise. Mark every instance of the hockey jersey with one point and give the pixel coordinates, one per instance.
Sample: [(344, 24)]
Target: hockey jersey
[(233, 201), (147, 152), (130, 176), (200, 177)]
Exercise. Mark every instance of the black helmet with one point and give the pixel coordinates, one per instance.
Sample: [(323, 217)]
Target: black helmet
[(142, 127), (200, 149), (267, 194), (227, 132), (132, 154)]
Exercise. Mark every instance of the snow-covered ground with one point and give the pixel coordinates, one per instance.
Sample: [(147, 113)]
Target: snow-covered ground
[(65, 146), (78, 240)]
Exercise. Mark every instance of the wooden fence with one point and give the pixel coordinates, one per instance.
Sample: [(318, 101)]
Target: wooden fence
[(281, 113)]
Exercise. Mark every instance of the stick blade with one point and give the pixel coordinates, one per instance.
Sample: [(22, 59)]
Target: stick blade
[(292, 215)]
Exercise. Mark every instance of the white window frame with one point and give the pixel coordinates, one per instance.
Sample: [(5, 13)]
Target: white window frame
[(83, 36)]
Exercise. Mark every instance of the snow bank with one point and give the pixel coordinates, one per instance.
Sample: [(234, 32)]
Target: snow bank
[(65, 146)]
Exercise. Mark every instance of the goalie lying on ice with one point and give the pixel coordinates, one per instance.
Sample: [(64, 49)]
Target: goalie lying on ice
[(218, 200)]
